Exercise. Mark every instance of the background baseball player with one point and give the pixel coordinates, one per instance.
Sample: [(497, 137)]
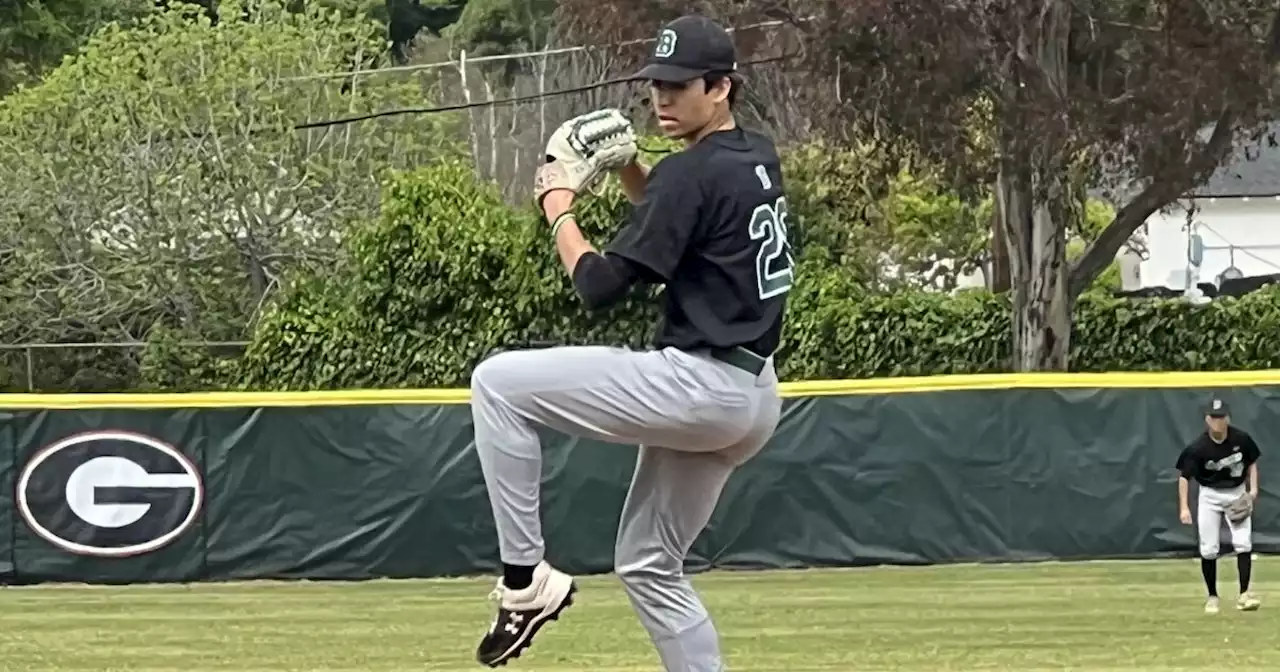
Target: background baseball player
[(710, 224), (1223, 460)]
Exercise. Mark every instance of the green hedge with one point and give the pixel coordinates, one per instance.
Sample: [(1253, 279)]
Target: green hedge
[(448, 274), (835, 333)]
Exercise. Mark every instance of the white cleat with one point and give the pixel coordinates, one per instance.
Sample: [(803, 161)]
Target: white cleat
[(522, 613), (1248, 602), (1211, 605)]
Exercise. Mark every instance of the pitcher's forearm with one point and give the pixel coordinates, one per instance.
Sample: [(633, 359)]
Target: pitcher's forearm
[(634, 176), (570, 243)]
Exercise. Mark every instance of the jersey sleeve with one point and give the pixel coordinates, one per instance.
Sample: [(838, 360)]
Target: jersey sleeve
[(1251, 450), (1186, 465), (663, 223)]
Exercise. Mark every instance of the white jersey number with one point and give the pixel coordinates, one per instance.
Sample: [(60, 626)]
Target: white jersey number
[(774, 261)]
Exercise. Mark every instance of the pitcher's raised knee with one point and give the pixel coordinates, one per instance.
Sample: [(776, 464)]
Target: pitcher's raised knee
[(493, 374)]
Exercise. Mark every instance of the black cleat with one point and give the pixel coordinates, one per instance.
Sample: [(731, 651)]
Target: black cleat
[(522, 613)]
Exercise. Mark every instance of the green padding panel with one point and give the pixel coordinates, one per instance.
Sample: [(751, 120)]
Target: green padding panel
[(8, 521), (372, 491), (112, 496)]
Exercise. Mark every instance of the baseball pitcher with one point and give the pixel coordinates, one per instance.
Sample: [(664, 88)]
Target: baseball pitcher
[(708, 223), (1223, 461)]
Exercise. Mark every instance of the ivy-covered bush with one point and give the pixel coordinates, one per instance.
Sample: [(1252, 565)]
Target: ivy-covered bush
[(445, 276), (923, 334), (448, 274), (1228, 334), (835, 330)]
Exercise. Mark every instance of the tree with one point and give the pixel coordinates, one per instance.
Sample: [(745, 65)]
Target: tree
[(503, 26), (1039, 100), (156, 178), (1142, 98), (888, 224), (34, 36), (407, 18)]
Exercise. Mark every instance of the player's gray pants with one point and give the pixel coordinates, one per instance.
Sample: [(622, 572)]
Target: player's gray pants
[(1210, 514), (695, 419)]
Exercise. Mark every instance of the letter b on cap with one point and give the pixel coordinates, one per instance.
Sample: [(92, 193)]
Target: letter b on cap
[(666, 47)]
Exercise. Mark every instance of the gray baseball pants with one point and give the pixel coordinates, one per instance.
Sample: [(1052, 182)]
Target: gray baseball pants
[(695, 418)]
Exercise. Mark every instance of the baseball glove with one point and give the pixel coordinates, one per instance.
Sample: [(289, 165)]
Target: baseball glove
[(582, 150), (1240, 508)]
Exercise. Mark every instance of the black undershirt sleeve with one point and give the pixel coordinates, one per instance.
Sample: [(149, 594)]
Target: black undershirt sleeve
[(603, 280)]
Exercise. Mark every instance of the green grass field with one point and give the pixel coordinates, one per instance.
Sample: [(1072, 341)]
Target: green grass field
[(1083, 616)]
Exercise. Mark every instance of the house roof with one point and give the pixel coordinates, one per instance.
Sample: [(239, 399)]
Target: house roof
[(1253, 169)]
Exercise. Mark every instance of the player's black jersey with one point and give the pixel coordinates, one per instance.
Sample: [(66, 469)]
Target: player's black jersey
[(1219, 465), (712, 227)]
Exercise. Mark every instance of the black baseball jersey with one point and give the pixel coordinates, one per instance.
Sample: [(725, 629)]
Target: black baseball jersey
[(712, 227), (1219, 465)]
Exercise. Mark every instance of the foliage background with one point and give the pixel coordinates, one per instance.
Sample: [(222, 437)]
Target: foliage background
[(158, 197)]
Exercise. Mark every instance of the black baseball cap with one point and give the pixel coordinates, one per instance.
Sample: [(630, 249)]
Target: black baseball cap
[(1217, 408), (688, 48)]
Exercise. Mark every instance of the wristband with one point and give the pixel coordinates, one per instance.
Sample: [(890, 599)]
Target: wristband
[(564, 217)]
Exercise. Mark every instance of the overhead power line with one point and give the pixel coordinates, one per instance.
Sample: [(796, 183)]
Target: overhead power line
[(512, 100), (509, 57), (487, 103), (449, 108)]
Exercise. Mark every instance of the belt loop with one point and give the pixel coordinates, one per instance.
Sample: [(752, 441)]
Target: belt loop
[(767, 370)]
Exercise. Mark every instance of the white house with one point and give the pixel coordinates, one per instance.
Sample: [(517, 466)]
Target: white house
[(1234, 216), (1230, 225)]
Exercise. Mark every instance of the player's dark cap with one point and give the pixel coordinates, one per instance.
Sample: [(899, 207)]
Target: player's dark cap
[(688, 48), (1217, 408)]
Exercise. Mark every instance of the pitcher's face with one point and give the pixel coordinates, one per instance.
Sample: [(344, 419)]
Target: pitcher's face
[(685, 108)]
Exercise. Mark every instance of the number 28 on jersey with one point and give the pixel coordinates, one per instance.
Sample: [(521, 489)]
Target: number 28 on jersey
[(774, 261)]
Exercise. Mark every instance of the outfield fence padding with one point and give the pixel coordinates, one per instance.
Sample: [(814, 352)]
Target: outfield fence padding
[(141, 488)]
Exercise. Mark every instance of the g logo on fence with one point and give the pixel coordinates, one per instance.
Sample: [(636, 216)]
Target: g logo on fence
[(110, 493)]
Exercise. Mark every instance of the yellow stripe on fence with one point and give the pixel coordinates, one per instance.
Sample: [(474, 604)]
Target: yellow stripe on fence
[(813, 388)]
